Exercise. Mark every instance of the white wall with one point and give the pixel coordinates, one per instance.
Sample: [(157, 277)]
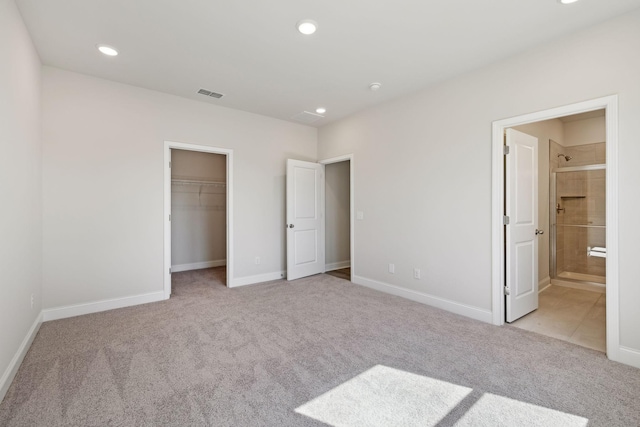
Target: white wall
[(198, 213), (424, 164), (544, 131), (587, 131), (20, 187), (337, 195), (103, 183)]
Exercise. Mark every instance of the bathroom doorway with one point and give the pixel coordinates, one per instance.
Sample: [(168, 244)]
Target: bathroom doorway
[(572, 299), (577, 286)]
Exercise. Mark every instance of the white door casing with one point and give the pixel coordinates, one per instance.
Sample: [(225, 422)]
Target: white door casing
[(615, 351), (521, 207), (305, 219)]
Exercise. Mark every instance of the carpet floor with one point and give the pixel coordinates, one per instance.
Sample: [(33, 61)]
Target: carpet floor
[(316, 351)]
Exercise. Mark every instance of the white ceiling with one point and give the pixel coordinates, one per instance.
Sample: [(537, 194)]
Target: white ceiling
[(250, 50)]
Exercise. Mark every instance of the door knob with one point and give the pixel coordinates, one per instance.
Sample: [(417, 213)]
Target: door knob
[(539, 231), (290, 225)]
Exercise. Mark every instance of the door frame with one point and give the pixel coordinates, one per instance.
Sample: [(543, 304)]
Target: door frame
[(168, 146), (610, 105), (352, 239)]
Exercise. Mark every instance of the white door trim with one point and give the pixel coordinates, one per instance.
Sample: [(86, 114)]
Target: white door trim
[(352, 234), (168, 146), (610, 103)]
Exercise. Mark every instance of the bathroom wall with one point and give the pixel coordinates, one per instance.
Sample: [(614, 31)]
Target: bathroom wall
[(198, 213), (586, 131)]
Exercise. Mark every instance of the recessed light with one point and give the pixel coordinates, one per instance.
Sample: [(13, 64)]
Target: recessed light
[(375, 86), (567, 1), (307, 26), (107, 50), (321, 110)]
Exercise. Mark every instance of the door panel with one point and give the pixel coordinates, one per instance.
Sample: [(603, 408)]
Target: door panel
[(521, 232), (305, 219)]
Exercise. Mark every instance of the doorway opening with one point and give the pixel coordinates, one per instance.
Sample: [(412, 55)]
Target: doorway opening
[(198, 218), (599, 188), (198, 210), (572, 209), (306, 218), (338, 219)]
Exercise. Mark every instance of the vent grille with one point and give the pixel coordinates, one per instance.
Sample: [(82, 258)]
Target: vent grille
[(307, 117), (210, 93)]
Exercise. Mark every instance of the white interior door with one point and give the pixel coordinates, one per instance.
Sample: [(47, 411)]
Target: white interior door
[(522, 231), (305, 219)]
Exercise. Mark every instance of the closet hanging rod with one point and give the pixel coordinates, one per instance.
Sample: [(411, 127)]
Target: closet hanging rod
[(198, 182)]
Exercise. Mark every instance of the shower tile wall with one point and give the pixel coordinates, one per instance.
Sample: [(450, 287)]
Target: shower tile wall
[(590, 154), (582, 196)]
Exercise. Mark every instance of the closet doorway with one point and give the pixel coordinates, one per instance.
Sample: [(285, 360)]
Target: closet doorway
[(198, 206), (338, 217)]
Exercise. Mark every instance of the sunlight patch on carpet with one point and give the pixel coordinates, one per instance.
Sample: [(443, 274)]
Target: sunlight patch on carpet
[(492, 410), (383, 396)]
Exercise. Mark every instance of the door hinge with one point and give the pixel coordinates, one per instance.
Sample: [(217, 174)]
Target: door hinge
[(507, 290), (505, 220), (169, 165), (505, 150), (169, 217), (169, 270)]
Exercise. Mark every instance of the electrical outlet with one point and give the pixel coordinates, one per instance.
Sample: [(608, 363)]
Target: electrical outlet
[(392, 268), (416, 273), (257, 260), (32, 299)]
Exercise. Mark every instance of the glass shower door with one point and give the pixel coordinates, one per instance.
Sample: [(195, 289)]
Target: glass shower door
[(578, 218)]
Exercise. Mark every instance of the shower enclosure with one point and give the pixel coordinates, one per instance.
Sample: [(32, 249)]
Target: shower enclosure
[(578, 226)]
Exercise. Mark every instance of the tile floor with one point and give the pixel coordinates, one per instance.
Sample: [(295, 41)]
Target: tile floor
[(569, 314)]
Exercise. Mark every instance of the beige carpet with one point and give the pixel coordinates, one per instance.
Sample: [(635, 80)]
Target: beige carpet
[(286, 354)]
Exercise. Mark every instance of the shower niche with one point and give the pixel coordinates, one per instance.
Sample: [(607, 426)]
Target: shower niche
[(578, 225)]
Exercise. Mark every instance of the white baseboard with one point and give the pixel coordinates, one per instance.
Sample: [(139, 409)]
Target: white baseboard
[(445, 304), (198, 265), (337, 265), (628, 356), (98, 306), (11, 371), (544, 284), (259, 278)]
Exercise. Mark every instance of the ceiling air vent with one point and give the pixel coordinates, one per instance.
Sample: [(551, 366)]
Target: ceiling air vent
[(209, 93), (307, 117)]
